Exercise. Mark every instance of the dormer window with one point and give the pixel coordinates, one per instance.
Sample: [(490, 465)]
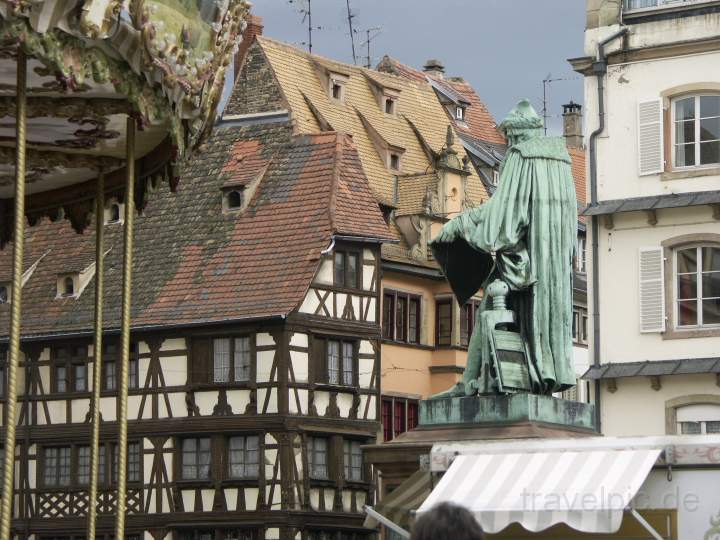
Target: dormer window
[(390, 106), (66, 286), (233, 199), (394, 161), (460, 113), (113, 213), (337, 85), (4, 293)]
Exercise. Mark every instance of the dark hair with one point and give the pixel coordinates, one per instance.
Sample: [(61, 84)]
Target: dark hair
[(447, 521)]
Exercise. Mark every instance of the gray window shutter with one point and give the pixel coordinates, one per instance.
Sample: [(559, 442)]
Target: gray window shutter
[(650, 136), (652, 290)]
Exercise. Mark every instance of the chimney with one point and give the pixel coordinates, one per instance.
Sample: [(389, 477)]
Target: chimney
[(572, 125), (254, 28), (434, 67)]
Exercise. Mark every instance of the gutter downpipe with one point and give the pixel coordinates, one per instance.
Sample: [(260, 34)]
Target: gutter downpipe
[(600, 70)]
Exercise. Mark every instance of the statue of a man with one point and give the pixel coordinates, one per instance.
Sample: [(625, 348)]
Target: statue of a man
[(525, 236)]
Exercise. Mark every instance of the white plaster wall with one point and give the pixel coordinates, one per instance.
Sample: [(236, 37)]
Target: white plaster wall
[(264, 339), (371, 310), (344, 402), (620, 339), (324, 274), (299, 339), (635, 409), (371, 409), (177, 404), (310, 303), (322, 401), (272, 402), (368, 271), (231, 497), (79, 409), (173, 344), (628, 84), (302, 397), (57, 410), (264, 362), (174, 370), (300, 365), (206, 401), (251, 496), (238, 400), (108, 409)]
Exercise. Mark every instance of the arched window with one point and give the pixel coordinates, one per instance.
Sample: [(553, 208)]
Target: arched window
[(68, 286), (114, 216), (696, 130), (695, 414)]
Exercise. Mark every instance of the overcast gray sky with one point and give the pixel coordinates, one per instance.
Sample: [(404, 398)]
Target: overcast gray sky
[(504, 48)]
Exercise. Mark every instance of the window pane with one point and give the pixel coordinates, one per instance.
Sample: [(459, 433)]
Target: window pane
[(333, 362), (110, 382), (401, 319), (444, 323), (709, 106), (351, 276), (204, 458), (80, 378), (710, 129), (690, 428), (684, 132), (339, 268), (687, 286), (465, 322), (711, 311), (711, 285), (413, 316), (387, 420), (685, 155), (709, 153), (347, 363), (189, 459), (242, 359), (61, 377), (710, 259), (388, 316), (83, 470), (712, 426), (51, 463), (64, 466), (687, 312), (252, 456), (237, 457), (133, 373), (101, 464), (687, 261), (133, 465), (685, 109), (221, 360)]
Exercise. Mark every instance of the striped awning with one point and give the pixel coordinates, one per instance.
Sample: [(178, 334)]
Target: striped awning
[(405, 498), (588, 489)]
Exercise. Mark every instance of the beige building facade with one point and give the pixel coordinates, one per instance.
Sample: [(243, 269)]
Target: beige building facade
[(653, 115)]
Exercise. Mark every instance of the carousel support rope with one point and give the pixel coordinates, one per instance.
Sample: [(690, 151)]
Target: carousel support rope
[(125, 330), (15, 299), (97, 351)]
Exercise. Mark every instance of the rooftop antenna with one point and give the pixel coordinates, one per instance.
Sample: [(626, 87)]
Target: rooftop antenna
[(547, 81), (306, 10), (368, 39), (352, 34)]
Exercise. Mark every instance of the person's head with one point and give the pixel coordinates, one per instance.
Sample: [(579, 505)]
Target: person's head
[(446, 521)]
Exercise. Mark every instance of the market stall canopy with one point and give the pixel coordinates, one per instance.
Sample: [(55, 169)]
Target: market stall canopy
[(91, 63), (589, 490)]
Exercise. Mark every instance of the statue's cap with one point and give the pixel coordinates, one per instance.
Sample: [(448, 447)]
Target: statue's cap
[(523, 116)]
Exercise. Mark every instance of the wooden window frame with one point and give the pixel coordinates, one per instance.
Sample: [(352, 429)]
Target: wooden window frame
[(68, 363), (312, 451), (232, 368), (345, 253), (406, 403), (114, 357), (180, 455), (348, 467), (202, 361), (438, 303), (322, 345), (228, 475), (396, 297), (473, 306)]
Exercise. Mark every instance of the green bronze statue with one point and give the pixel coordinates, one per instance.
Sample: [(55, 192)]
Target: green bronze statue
[(520, 245)]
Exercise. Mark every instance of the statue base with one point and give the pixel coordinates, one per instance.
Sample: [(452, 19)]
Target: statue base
[(504, 410)]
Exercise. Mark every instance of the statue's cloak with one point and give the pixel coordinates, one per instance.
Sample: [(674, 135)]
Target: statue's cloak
[(531, 224)]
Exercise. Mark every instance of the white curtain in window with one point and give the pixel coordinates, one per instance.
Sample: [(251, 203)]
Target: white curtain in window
[(221, 359), (333, 362), (347, 363), (242, 359)]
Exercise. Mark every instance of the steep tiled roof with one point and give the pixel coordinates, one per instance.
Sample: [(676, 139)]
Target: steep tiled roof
[(412, 193), (300, 77), (578, 170), (192, 262), (479, 122)]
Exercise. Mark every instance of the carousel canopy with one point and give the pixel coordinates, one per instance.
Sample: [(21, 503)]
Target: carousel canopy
[(90, 63)]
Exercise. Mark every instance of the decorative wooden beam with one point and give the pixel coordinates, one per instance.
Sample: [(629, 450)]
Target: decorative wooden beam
[(68, 107)]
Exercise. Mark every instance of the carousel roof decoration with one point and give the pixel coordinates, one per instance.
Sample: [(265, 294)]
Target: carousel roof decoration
[(90, 64)]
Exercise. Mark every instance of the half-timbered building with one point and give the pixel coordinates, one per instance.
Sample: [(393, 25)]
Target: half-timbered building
[(254, 373)]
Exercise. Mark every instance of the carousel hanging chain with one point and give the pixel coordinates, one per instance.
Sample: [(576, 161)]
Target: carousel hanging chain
[(18, 244), (97, 352), (125, 330)]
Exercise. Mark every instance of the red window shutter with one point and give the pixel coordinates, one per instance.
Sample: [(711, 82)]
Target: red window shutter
[(412, 415), (387, 420), (399, 424)]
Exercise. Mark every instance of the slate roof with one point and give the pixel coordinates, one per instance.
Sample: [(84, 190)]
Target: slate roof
[(653, 202), (686, 366), (195, 264)]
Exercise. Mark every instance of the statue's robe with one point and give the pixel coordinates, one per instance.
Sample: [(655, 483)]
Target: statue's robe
[(531, 224)]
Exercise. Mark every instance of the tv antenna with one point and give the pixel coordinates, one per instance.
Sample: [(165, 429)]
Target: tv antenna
[(369, 36), (547, 81), (306, 10), (352, 34)]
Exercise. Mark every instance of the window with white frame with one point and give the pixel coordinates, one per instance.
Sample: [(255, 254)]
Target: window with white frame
[(460, 113), (696, 131), (634, 5), (580, 253), (389, 105), (317, 455), (698, 419), (697, 286)]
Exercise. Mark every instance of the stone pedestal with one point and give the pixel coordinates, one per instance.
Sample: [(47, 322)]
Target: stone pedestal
[(505, 410)]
